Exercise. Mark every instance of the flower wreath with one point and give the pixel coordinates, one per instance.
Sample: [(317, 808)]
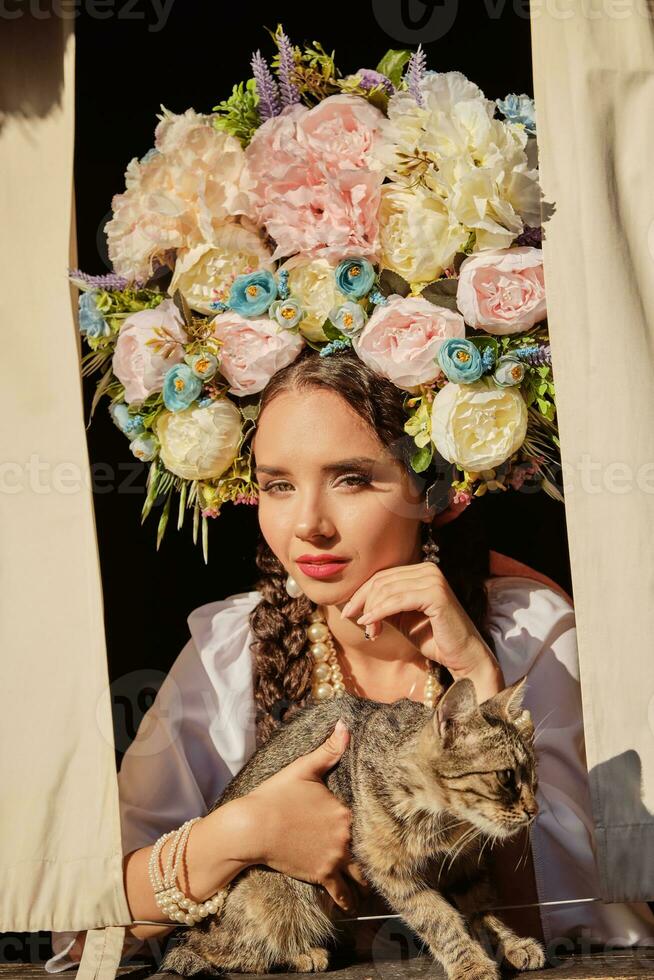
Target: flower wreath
[(389, 211)]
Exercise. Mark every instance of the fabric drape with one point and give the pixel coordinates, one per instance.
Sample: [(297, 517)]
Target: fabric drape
[(594, 89), (60, 844)]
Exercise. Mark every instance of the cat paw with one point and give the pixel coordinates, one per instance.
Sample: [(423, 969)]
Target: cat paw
[(315, 960), (524, 954), (474, 967)]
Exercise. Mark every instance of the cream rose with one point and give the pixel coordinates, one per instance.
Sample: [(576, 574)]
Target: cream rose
[(403, 337), (503, 292), (205, 273), (478, 425), (313, 284), (200, 443), (253, 350), (418, 238)]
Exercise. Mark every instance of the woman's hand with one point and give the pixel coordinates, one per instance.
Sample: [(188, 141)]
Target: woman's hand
[(298, 827), (418, 602)]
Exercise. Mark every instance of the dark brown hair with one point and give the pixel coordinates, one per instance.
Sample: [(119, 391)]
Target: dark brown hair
[(282, 674)]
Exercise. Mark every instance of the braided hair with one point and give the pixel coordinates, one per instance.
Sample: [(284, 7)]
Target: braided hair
[(282, 661)]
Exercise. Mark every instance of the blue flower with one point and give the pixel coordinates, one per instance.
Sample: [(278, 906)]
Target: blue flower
[(252, 294), (129, 424), (355, 277), (350, 318), (287, 312), (91, 321), (145, 447), (181, 387), (519, 109), (202, 365), (460, 360), (510, 371)]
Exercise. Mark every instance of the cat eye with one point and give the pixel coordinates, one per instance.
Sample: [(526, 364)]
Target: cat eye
[(506, 778)]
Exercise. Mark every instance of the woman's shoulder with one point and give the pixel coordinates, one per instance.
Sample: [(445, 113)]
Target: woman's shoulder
[(519, 605), (527, 617), (222, 621)]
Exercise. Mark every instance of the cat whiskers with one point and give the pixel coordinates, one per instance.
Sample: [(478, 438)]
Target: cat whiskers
[(525, 850), (540, 724), (464, 840)]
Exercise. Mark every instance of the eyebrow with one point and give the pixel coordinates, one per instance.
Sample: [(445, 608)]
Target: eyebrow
[(342, 464)]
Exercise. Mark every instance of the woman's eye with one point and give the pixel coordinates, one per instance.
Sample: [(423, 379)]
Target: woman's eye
[(360, 479), (505, 777)]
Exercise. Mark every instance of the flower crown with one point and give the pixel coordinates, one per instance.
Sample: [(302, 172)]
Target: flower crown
[(387, 211)]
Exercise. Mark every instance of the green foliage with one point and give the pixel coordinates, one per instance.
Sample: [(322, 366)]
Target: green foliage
[(418, 425), (393, 64), (239, 115)]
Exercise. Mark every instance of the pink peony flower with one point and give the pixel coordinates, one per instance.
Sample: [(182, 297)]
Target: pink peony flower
[(317, 180), (403, 337), (139, 365), (253, 350), (502, 291), (176, 196), (344, 132)]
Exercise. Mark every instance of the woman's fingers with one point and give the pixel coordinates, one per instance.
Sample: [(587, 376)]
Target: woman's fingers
[(355, 871), (395, 603), (340, 891), (379, 585)]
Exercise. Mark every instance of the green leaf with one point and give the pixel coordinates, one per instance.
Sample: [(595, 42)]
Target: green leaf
[(544, 371), (390, 282), (331, 332), (163, 520), (393, 63), (421, 460), (442, 292), (543, 405), (482, 342), (422, 439)]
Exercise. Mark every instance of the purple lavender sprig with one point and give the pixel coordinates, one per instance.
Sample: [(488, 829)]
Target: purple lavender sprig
[(415, 73), (108, 281), (289, 90), (538, 355), (267, 89)]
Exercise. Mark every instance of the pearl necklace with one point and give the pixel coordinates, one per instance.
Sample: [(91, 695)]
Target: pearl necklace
[(326, 675)]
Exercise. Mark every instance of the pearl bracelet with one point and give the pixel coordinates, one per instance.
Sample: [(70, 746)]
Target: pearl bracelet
[(168, 896)]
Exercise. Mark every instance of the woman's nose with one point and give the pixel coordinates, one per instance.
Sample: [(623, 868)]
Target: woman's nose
[(312, 520)]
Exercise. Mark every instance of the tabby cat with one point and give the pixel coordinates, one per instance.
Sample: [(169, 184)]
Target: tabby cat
[(427, 791)]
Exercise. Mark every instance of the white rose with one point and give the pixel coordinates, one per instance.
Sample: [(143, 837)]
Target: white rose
[(205, 273), (313, 285), (200, 443), (418, 238), (478, 426)]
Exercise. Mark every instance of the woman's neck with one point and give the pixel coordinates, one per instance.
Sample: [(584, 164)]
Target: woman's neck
[(385, 669)]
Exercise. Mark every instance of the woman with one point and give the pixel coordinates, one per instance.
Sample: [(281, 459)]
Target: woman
[(331, 458)]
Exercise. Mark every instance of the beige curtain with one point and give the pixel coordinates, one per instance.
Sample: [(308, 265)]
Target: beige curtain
[(60, 847), (594, 88)]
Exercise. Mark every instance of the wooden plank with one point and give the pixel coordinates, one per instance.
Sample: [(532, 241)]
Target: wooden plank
[(631, 964)]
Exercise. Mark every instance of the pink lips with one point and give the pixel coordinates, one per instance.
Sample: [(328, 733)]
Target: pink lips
[(322, 568)]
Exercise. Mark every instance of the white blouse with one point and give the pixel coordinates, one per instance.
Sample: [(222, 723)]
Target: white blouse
[(200, 731)]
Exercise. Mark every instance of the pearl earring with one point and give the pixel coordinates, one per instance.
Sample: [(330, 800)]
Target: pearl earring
[(430, 548), (293, 588)]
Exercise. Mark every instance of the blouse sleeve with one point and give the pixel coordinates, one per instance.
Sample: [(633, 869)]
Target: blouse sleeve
[(197, 734)]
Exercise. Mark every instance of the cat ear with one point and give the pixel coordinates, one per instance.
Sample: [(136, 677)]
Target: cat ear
[(458, 705), (509, 701)]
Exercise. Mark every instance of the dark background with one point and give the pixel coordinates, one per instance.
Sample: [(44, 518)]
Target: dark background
[(127, 68)]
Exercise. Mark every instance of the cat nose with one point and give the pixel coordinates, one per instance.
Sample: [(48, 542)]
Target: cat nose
[(530, 809)]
